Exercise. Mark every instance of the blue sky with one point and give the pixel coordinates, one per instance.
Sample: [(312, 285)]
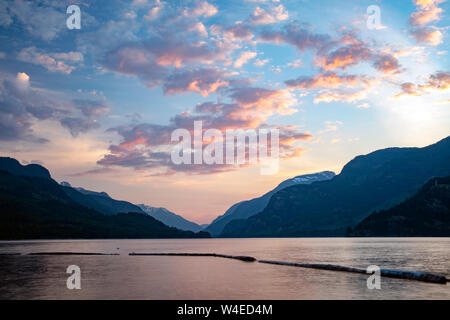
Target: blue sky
[(97, 105)]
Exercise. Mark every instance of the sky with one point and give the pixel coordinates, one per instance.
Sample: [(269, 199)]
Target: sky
[(97, 105)]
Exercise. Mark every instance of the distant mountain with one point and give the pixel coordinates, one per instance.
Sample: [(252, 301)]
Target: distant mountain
[(102, 202), (379, 180), (169, 218), (99, 201), (93, 193), (245, 209), (36, 207), (13, 166), (426, 214)]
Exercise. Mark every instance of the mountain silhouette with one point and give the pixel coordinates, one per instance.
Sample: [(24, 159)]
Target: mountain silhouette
[(99, 201), (13, 166), (379, 180), (426, 214), (34, 206), (171, 219), (245, 209)]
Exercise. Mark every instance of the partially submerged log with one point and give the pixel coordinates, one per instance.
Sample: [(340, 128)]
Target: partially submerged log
[(330, 267), (397, 274), (72, 254), (242, 258), (414, 275)]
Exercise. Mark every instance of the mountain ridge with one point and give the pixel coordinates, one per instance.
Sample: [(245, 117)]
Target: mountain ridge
[(378, 180), (14, 167), (427, 213), (37, 207), (171, 219), (247, 208)]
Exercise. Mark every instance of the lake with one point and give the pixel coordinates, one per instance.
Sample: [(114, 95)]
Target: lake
[(158, 277)]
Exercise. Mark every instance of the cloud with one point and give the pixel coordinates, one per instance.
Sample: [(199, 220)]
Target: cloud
[(342, 96), (424, 17), (426, 4), (147, 146), (54, 62), (77, 125), (199, 28), (295, 64), (5, 18), (84, 115), (23, 79), (106, 37), (139, 155), (331, 85), (355, 52), (239, 32), (203, 81), (333, 54), (386, 63), (22, 105), (201, 9), (327, 79), (428, 36), (439, 81), (152, 59), (276, 14), (244, 58), (261, 62), (364, 105), (135, 61), (91, 108), (300, 37), (259, 101), (39, 18), (345, 57), (428, 11), (88, 173), (155, 11), (331, 126)]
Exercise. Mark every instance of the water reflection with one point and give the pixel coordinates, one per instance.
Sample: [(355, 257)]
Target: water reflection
[(134, 277)]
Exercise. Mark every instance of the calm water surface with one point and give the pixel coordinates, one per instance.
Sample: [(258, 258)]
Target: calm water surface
[(133, 277)]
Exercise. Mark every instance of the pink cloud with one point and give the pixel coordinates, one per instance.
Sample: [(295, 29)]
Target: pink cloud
[(345, 57), (435, 83), (201, 9), (386, 63), (239, 32), (325, 80), (54, 62), (428, 11), (342, 96), (153, 60), (244, 57), (144, 146), (428, 36), (299, 37), (275, 14), (203, 81), (427, 16)]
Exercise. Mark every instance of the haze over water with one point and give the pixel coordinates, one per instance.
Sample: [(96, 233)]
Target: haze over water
[(157, 277)]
